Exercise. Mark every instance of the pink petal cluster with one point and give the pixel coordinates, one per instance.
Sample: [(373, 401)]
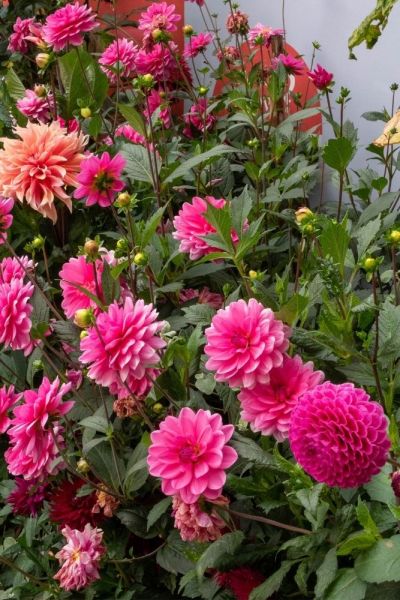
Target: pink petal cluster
[(261, 35), (203, 296), (130, 134), (237, 23), (72, 125), (35, 437), (244, 343), (160, 16), (14, 268), (198, 522), (80, 557), (39, 164), (78, 271), (228, 53), (118, 59), (164, 63), (338, 435), (190, 455), (15, 312), (198, 118), (6, 218), (18, 41), (155, 101), (8, 398), (36, 107), (67, 26), (268, 406), (321, 78), (27, 497), (100, 179), (292, 65), (197, 43), (122, 350)]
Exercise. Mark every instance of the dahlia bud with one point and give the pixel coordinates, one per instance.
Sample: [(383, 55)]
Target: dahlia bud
[(83, 317), (86, 112), (40, 91), (82, 466), (122, 245), (370, 264), (38, 242), (157, 35), (42, 60), (91, 248), (123, 199), (253, 275), (157, 408), (83, 334), (147, 80), (203, 90), (140, 259), (394, 236), (303, 213), (188, 30), (254, 143)]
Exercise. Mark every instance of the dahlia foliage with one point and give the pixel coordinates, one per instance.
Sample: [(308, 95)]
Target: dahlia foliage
[(199, 349)]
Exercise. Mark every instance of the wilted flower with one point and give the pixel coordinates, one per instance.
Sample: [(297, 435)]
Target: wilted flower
[(105, 503), (99, 179), (228, 53), (67, 26), (199, 521), (238, 23), (126, 407)]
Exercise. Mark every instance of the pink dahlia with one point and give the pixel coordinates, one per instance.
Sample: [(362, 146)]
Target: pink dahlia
[(199, 522), (100, 180), (14, 268), (260, 35), (6, 218), (15, 312), (245, 341), (87, 275), (202, 297), (338, 435), (197, 43), (130, 134), (34, 436), (8, 398), (198, 118), (163, 62), (160, 16), (67, 26), (228, 53), (40, 165), (118, 59), (36, 107), (18, 41), (238, 23), (321, 78), (293, 66), (122, 350), (155, 101), (27, 497), (72, 125), (80, 557), (268, 406), (190, 455)]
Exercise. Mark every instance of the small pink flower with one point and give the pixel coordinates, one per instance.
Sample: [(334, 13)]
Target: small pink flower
[(160, 16), (228, 53), (6, 218), (321, 77), (14, 268), (18, 41), (190, 455), (268, 407), (36, 107), (99, 179), (67, 26), (130, 134), (15, 312), (119, 59), (164, 63), (260, 35), (293, 66), (203, 297), (245, 341), (75, 378), (72, 125), (8, 398), (80, 557), (154, 102), (27, 497), (338, 435), (77, 271), (199, 522), (198, 118), (197, 43)]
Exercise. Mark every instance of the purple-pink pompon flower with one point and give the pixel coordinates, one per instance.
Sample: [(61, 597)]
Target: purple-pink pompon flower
[(6, 218), (15, 312), (18, 39), (197, 43), (155, 101), (8, 398), (190, 454), (36, 107), (339, 435), (160, 16), (268, 407), (261, 35), (245, 341), (27, 497), (100, 179), (118, 59), (293, 66), (321, 78), (67, 26), (199, 521), (80, 557)]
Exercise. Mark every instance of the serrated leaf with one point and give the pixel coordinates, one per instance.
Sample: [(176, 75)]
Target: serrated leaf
[(381, 562), (335, 241), (356, 541), (250, 450), (378, 206), (227, 544), (157, 511), (138, 167), (272, 584), (338, 153), (15, 87), (326, 573)]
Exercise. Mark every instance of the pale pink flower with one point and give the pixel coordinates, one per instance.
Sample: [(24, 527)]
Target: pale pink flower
[(67, 26), (80, 557), (78, 271), (6, 218), (198, 118), (238, 23), (164, 63), (197, 43), (14, 268), (122, 350), (261, 35), (154, 102), (202, 297), (160, 16), (130, 134), (39, 165), (190, 454), (119, 59), (35, 437), (338, 435), (99, 179), (293, 66), (228, 53), (321, 78), (8, 398), (268, 406), (36, 107), (245, 341), (199, 521), (15, 312), (18, 41)]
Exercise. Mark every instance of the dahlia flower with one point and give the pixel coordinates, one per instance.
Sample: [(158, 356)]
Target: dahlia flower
[(67, 26), (6, 218), (245, 341), (118, 59), (321, 78), (14, 268), (197, 523), (38, 166), (160, 62), (260, 35), (27, 497), (122, 350), (268, 406), (190, 455), (8, 398), (74, 377), (72, 125), (80, 557), (241, 582), (99, 179), (238, 23), (293, 66), (36, 107), (77, 271), (34, 439), (154, 102), (18, 41), (229, 54), (67, 508), (160, 16), (15, 311), (197, 43), (338, 435), (203, 297), (198, 118)]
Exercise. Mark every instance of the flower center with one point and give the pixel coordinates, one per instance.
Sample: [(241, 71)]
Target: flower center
[(241, 340), (102, 181), (160, 22), (75, 556), (190, 452)]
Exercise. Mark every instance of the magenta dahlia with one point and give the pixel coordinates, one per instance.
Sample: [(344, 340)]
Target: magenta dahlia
[(15, 312), (27, 497), (199, 521), (160, 16), (87, 275), (293, 66), (8, 398), (321, 78), (18, 41), (67, 26), (197, 44), (198, 118), (100, 179), (164, 63), (6, 218), (130, 134), (118, 59)]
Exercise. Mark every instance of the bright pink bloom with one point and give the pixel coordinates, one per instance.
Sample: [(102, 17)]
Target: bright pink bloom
[(203, 297), (197, 43), (80, 557), (35, 33), (163, 63), (12, 268), (122, 350), (155, 102), (241, 582), (229, 54), (6, 219), (119, 59), (34, 436), (75, 378), (321, 77), (77, 271), (245, 341), (198, 118), (8, 398), (268, 407), (190, 455), (260, 35), (15, 312), (130, 134), (160, 16), (198, 522), (38, 166), (36, 107), (67, 26), (293, 66), (338, 435), (27, 497), (99, 179), (21, 30), (72, 125)]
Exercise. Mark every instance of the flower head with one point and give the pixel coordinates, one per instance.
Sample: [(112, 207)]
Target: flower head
[(6, 218), (105, 504), (163, 62), (87, 275), (199, 118), (8, 398), (130, 134), (229, 54), (18, 41), (199, 521), (202, 297), (67, 26), (160, 16), (338, 435), (268, 406), (190, 455), (14, 268), (118, 59), (80, 557), (260, 35), (154, 102), (321, 78), (245, 341), (36, 107), (293, 66), (15, 312), (99, 179), (197, 43), (241, 581), (40, 164), (198, 2), (238, 23), (67, 508), (27, 497)]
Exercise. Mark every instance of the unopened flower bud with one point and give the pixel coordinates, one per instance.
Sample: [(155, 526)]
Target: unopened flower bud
[(42, 60), (303, 213), (147, 80), (40, 91), (83, 334), (140, 259), (86, 112), (122, 245), (394, 236), (123, 199), (83, 466), (91, 248), (38, 242), (83, 317), (188, 30), (37, 365), (202, 91), (369, 264), (157, 408), (157, 35), (253, 274)]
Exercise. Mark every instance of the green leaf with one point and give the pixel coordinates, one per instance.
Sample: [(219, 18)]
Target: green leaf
[(138, 167), (197, 160), (250, 450), (110, 286), (306, 113), (240, 209), (291, 312), (227, 544), (375, 116), (326, 573), (347, 586), (199, 314), (157, 511), (338, 153), (335, 241), (272, 584), (104, 466), (15, 87), (95, 126), (356, 541), (133, 117), (366, 235), (173, 556), (381, 562), (96, 422), (220, 218), (389, 326), (379, 488), (151, 227), (379, 205), (365, 519), (137, 470), (371, 27)]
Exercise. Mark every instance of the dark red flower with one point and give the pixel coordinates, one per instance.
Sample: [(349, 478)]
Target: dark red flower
[(66, 508), (27, 497), (240, 581)]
